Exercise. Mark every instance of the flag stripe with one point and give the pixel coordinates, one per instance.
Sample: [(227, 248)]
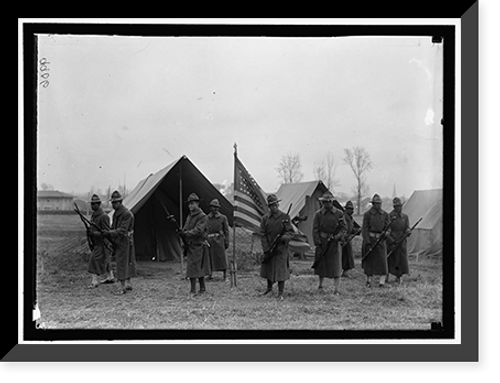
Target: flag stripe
[(251, 214), (242, 200), (249, 199), (245, 221)]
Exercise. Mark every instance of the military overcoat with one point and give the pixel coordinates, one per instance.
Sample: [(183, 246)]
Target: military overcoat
[(218, 237), (397, 263), (198, 258), (122, 235), (99, 262), (278, 268), (351, 229), (374, 223), (325, 224)]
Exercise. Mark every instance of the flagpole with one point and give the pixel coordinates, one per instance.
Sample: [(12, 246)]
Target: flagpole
[(233, 262)]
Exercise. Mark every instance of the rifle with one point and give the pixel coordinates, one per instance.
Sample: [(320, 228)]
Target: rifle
[(89, 224), (326, 247), (379, 238), (270, 253), (351, 237), (397, 243), (171, 218)]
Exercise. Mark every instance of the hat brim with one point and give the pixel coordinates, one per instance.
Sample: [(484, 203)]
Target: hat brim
[(95, 201), (272, 203)]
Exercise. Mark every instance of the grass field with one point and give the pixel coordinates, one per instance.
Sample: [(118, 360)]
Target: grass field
[(160, 299)]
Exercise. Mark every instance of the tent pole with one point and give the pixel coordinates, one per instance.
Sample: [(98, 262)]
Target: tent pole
[(180, 214)]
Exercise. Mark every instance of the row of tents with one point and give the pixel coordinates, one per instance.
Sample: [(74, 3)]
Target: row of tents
[(163, 193)]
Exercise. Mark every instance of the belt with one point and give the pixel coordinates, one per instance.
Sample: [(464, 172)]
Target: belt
[(213, 235), (374, 235), (325, 235)]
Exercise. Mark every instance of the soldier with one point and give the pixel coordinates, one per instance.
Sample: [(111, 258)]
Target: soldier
[(122, 235), (352, 230), (328, 229), (272, 225), (100, 258), (400, 227), (218, 237), (194, 234), (375, 222)]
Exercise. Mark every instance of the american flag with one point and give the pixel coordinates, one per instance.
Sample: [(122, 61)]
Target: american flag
[(250, 202)]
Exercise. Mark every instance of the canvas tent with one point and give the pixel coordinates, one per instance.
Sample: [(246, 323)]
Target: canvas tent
[(427, 238), (154, 234), (304, 197)]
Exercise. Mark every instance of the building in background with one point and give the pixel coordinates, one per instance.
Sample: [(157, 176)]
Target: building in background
[(53, 200)]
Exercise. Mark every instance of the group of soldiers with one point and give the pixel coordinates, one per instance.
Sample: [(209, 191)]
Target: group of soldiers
[(205, 239)]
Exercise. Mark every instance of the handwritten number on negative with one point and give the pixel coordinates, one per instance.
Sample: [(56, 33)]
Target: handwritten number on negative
[(44, 69)]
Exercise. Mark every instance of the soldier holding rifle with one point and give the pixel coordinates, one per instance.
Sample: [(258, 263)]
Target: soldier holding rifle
[(374, 231), (328, 229), (218, 237), (397, 261), (194, 234), (275, 232), (352, 229), (100, 258), (122, 235)]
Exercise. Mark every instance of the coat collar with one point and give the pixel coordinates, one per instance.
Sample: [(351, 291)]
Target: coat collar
[(195, 212), (214, 215), (324, 210), (98, 212)]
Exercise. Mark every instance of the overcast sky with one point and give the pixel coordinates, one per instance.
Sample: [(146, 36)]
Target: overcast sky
[(122, 107)]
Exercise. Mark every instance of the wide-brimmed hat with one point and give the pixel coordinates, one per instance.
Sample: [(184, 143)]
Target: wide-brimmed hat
[(215, 202), (193, 197), (95, 199), (272, 199), (376, 199), (327, 196), (116, 196), (349, 204), (397, 202)]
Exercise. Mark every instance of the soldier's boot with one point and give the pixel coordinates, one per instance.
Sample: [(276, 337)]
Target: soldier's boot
[(128, 285), (281, 289), (193, 286), (202, 285), (336, 285), (110, 277), (381, 281), (368, 281), (320, 287), (224, 275), (387, 278), (95, 282), (269, 287)]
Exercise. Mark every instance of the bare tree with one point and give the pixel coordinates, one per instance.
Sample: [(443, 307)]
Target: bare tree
[(289, 168), (325, 170), (360, 163)]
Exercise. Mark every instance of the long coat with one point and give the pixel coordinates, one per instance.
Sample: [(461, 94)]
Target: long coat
[(218, 237), (352, 228), (198, 258), (398, 261), (325, 223), (99, 262), (374, 223), (122, 234), (278, 268)]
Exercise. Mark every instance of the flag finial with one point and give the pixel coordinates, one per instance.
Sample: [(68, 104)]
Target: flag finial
[(235, 149)]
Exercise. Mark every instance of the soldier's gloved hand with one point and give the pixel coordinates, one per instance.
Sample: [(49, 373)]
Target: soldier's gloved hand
[(285, 238), (337, 237)]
